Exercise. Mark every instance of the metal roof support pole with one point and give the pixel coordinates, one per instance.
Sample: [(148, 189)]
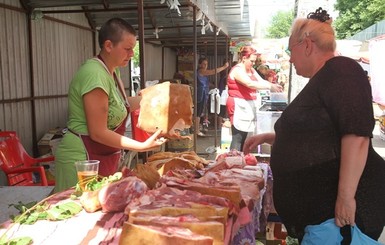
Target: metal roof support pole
[(141, 43), (291, 65), (130, 83), (216, 85), (227, 55), (163, 66), (31, 69), (141, 53), (195, 48)]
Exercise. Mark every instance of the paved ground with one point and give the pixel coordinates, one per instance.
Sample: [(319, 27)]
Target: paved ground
[(378, 144)]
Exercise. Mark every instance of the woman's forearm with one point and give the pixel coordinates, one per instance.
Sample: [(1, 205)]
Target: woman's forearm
[(245, 80), (354, 152)]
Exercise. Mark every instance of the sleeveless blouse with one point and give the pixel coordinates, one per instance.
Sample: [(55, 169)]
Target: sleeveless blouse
[(239, 90)]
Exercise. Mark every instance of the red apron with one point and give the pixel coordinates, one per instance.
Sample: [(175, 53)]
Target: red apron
[(109, 157)]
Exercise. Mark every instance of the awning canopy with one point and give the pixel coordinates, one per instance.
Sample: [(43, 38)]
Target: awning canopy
[(166, 22)]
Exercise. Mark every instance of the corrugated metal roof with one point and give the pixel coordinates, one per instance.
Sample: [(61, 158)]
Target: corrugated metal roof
[(228, 13), (176, 27)]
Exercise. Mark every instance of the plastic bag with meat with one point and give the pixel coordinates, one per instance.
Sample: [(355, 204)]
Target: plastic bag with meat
[(115, 197)]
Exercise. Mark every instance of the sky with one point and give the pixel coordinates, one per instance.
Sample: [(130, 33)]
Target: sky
[(261, 11)]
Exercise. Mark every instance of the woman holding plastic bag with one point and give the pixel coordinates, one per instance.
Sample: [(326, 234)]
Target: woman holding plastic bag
[(328, 233), (322, 159)]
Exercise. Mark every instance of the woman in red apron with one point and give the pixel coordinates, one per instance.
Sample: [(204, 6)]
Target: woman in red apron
[(98, 109), (243, 83)]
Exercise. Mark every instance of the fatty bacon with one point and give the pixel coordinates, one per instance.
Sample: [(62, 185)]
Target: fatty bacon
[(232, 159), (228, 190), (140, 234), (250, 181), (173, 198), (209, 228), (167, 207)]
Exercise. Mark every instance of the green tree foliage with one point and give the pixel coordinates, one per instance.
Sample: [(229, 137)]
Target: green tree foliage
[(135, 59), (357, 15), (280, 24)]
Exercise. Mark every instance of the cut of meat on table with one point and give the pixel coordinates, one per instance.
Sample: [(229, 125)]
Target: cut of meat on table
[(227, 162), (251, 183), (202, 212), (173, 198), (169, 202), (145, 172), (154, 235), (174, 163), (231, 191), (165, 161), (212, 229), (113, 197), (116, 196)]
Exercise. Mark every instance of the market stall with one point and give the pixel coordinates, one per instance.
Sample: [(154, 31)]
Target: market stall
[(230, 186)]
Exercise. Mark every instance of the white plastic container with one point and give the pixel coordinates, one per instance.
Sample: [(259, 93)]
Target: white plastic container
[(226, 138)]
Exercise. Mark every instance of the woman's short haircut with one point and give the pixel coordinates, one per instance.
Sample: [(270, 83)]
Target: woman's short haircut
[(318, 29), (113, 30)]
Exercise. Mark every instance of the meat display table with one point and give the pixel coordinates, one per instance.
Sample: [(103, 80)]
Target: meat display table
[(106, 228), (84, 228)]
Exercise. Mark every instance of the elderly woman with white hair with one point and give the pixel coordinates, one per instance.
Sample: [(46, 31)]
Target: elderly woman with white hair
[(322, 158)]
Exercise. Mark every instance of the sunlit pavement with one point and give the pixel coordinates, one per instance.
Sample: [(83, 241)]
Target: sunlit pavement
[(378, 143)]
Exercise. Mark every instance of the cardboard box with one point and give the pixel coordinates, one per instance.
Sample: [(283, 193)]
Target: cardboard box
[(48, 144)]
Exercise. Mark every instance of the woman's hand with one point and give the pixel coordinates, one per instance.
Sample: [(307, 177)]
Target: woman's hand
[(153, 141), (345, 211), (251, 143), (276, 88)]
